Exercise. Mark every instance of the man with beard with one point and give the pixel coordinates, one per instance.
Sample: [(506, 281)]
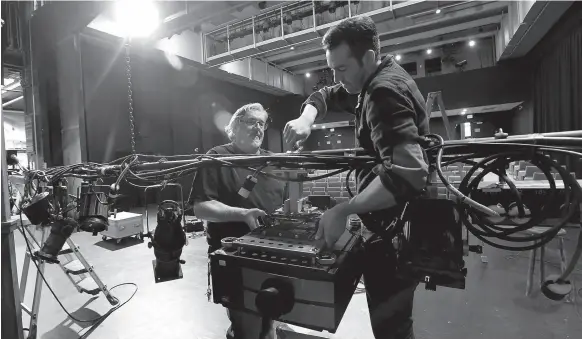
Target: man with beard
[(216, 199), (390, 120)]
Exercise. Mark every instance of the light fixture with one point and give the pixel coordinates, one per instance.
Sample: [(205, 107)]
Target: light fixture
[(398, 57), (307, 75), (472, 43), (292, 47), (136, 18), (463, 111), (429, 51), (438, 11)]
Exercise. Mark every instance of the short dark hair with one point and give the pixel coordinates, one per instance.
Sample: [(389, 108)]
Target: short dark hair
[(359, 33)]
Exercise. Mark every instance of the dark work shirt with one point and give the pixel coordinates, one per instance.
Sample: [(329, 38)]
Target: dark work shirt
[(390, 119), (223, 183)]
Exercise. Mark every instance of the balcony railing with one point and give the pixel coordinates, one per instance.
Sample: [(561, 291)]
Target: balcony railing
[(283, 22)]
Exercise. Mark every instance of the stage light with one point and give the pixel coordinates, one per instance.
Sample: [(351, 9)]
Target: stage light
[(398, 57), (136, 18), (472, 43), (168, 241)]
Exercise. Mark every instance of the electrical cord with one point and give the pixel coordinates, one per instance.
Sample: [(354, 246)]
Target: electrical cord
[(488, 156), (97, 319), (497, 158)]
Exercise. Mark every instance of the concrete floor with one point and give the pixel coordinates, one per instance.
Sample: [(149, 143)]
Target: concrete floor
[(492, 306)]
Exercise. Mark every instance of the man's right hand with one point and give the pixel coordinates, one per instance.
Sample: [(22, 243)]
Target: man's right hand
[(297, 131), (250, 216)]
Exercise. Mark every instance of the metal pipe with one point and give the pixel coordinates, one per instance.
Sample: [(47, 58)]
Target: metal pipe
[(12, 111), (5, 194), (203, 49), (8, 103), (304, 158), (254, 33), (313, 12), (227, 40), (282, 24)]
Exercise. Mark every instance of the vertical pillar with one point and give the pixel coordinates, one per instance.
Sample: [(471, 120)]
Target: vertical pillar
[(30, 89), (70, 90), (11, 312)]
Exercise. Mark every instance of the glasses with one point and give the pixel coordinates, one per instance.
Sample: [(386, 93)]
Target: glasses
[(252, 122)]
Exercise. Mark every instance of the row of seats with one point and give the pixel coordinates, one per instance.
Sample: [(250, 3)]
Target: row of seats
[(523, 170), (334, 186)]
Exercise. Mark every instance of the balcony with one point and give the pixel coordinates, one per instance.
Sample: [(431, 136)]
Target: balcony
[(289, 24)]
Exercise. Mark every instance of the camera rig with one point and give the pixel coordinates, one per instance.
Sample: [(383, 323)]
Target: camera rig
[(265, 265)]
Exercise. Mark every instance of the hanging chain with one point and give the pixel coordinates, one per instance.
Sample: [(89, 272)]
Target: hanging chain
[(130, 94)]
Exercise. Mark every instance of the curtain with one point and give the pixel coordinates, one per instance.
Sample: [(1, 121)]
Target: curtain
[(557, 87), (557, 91)]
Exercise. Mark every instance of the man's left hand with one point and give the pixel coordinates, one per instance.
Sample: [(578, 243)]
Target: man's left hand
[(332, 224)]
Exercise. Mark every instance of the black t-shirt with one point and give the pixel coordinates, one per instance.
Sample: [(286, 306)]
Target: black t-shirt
[(223, 183)]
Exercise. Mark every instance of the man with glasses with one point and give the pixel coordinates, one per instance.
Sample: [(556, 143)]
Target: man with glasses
[(216, 199)]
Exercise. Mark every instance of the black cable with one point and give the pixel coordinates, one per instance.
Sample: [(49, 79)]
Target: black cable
[(495, 156), (33, 259), (348, 183), (496, 159)]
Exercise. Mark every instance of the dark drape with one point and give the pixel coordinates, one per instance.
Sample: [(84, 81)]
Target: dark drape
[(557, 87), (557, 91)]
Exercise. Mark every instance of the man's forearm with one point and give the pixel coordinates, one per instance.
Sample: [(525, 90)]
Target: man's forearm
[(215, 211), (373, 198), (309, 114)]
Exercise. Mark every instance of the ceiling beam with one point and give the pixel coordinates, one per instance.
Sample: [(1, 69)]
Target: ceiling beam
[(406, 50), (406, 39), (430, 43), (440, 43)]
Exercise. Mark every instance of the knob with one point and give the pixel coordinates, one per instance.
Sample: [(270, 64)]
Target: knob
[(275, 298)]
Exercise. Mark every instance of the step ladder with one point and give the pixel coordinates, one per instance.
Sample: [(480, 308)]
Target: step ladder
[(74, 265), (438, 98)]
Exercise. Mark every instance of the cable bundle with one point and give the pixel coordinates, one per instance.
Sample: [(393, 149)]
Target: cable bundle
[(496, 154)]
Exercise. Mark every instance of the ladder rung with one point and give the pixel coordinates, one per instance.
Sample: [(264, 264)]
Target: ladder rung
[(89, 286), (75, 267), (25, 308), (66, 251)]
